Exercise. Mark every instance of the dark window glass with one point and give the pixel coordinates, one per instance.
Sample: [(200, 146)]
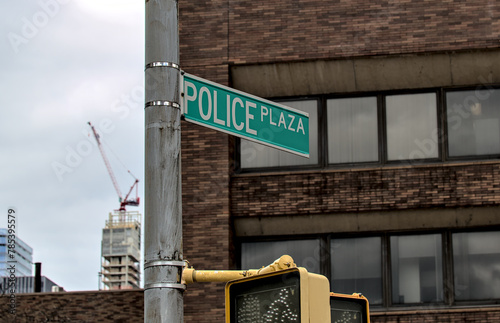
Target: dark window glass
[(305, 253), (412, 128), (357, 267), (417, 269), (473, 122), (352, 130), (476, 262)]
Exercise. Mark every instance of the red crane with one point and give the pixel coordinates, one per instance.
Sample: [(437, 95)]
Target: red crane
[(123, 201)]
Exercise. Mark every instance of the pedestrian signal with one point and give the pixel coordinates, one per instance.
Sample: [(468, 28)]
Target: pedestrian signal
[(291, 295), (349, 308)]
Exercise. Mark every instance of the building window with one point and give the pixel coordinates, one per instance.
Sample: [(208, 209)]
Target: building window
[(384, 128), (417, 269), (476, 263), (305, 253), (411, 121), (352, 130), (396, 270), (254, 155), (356, 265), (473, 122)]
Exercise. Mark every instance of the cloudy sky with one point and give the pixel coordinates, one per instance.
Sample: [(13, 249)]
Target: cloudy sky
[(64, 63)]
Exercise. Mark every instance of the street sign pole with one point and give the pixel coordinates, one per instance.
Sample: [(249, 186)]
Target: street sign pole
[(163, 260)]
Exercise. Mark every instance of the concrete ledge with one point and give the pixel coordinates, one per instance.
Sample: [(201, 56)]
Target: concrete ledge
[(366, 74), (401, 220)]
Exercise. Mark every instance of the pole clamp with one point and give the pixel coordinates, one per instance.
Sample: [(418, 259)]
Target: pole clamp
[(162, 64), (163, 103), (165, 285), (172, 263)]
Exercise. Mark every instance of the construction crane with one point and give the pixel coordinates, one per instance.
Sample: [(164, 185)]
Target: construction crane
[(123, 201)]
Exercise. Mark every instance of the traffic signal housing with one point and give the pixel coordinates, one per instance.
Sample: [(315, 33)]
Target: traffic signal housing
[(291, 295), (349, 308)]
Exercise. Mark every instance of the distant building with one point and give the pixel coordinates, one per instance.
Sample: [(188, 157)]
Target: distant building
[(121, 251), (26, 284), (23, 264), (23, 252)]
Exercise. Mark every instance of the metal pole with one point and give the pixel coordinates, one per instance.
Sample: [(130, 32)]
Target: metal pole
[(163, 291)]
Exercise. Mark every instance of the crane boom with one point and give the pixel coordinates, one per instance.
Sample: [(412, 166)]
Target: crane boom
[(123, 201), (106, 162)]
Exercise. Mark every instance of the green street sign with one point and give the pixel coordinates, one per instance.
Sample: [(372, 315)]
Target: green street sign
[(244, 115)]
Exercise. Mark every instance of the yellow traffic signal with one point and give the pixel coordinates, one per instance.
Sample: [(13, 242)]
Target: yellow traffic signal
[(349, 308), (291, 295)]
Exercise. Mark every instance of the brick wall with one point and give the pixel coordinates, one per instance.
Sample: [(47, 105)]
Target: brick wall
[(262, 31), (105, 306), (203, 33), (268, 31), (367, 190), (205, 161), (206, 227)]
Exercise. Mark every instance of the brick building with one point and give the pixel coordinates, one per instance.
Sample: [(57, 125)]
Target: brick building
[(400, 197)]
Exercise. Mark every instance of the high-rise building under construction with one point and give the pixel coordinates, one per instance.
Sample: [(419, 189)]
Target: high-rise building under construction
[(121, 251), (121, 237)]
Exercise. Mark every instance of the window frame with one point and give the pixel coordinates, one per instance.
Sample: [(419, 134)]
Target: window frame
[(438, 96), (443, 155), (282, 239), (471, 301), (444, 105), (383, 264), (386, 266), (389, 264), (380, 133)]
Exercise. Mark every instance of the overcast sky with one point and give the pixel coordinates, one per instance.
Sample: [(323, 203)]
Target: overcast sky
[(64, 63)]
